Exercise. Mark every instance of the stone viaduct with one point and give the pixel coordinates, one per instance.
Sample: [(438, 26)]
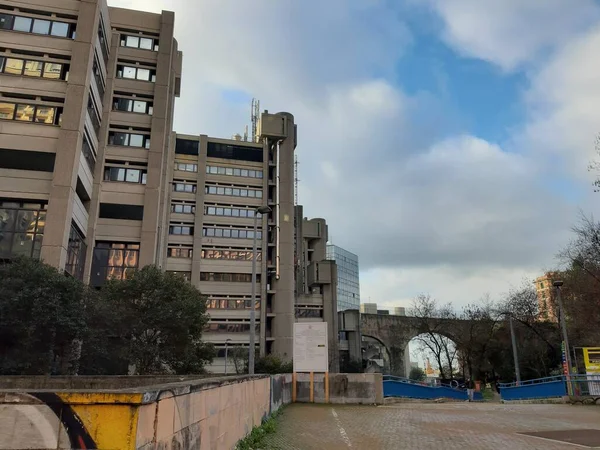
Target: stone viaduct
[(395, 332)]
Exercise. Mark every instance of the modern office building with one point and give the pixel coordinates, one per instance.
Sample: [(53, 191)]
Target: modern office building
[(94, 181), (348, 294), (316, 280)]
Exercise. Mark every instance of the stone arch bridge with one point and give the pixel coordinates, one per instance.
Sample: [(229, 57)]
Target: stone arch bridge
[(395, 332)]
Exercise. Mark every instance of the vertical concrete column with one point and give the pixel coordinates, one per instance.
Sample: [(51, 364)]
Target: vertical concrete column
[(64, 181), (330, 316), (158, 142), (199, 219), (283, 307)]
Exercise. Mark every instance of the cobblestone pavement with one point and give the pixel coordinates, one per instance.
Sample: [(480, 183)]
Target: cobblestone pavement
[(447, 426)]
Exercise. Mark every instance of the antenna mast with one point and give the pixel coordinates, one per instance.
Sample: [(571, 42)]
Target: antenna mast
[(296, 179), (254, 117)]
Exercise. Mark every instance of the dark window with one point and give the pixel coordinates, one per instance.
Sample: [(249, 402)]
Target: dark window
[(25, 160), (76, 253), (37, 26), (187, 147), (94, 114), (125, 174), (132, 105), (228, 277), (88, 153), (98, 77), (112, 260), (123, 212), (241, 153), (102, 40), (21, 229), (181, 230), (6, 21)]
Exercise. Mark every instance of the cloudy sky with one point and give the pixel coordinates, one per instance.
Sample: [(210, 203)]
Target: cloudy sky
[(446, 142)]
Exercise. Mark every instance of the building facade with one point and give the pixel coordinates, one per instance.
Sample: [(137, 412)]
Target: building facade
[(546, 295), (316, 280), (368, 308), (94, 181), (348, 290)]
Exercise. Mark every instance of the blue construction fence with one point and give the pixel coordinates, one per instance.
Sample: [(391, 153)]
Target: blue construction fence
[(406, 388), (551, 387)]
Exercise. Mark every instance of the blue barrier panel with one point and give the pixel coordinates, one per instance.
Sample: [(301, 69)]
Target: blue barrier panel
[(402, 387), (550, 387)]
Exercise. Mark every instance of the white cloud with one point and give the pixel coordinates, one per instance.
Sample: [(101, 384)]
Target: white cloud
[(510, 33)]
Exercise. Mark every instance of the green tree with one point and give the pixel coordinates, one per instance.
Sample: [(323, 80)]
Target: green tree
[(416, 374), (42, 319), (152, 323)]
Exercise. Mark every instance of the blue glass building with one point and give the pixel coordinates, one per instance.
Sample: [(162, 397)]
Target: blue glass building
[(348, 288)]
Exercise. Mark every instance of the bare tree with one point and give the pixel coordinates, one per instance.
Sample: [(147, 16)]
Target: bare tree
[(432, 324)]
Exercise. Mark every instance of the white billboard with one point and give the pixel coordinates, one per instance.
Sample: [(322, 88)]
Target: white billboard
[(311, 353)]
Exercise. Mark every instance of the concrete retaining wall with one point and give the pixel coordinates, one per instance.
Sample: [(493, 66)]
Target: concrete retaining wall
[(210, 413), (348, 388)]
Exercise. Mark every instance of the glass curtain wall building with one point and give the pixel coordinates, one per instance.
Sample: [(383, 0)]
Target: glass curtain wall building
[(348, 288)]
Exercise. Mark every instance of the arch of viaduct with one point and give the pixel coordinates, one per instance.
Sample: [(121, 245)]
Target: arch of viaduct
[(395, 332)]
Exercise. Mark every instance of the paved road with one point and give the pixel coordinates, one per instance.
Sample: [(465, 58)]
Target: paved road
[(448, 426)]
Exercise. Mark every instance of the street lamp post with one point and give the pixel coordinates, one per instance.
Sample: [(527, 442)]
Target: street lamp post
[(515, 354), (260, 210), (563, 325), (226, 342)]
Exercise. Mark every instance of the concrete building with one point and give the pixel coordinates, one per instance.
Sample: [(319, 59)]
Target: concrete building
[(368, 308), (83, 88), (546, 294), (316, 280), (94, 181), (348, 290), (217, 187)]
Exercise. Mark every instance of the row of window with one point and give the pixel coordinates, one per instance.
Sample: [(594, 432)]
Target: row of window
[(227, 303), (239, 255), (31, 68), (129, 139), (21, 229), (136, 73), (30, 113), (235, 192), (37, 26), (125, 174), (139, 42), (309, 312), (226, 211), (183, 208), (228, 277), (179, 252), (181, 230), (186, 167), (184, 187), (217, 170), (229, 328), (231, 233), (136, 106), (113, 260)]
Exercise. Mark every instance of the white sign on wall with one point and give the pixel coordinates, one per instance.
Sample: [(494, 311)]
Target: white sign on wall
[(310, 347)]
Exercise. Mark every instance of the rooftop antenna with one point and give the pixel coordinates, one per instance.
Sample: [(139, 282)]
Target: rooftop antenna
[(255, 117), (246, 134), (296, 179)]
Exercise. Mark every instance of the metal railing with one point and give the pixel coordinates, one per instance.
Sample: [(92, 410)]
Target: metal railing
[(552, 387)]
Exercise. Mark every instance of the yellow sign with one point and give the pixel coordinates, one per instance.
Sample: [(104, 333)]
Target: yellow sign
[(591, 356)]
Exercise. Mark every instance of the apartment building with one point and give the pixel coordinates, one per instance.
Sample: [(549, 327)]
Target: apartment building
[(316, 280), (219, 189), (86, 109), (546, 295)]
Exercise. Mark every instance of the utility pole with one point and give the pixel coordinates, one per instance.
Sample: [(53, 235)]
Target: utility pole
[(515, 354)]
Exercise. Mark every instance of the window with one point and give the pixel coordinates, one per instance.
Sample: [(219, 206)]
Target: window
[(102, 39), (37, 26), (143, 43), (98, 77), (236, 233), (128, 139), (27, 160), (75, 253), (309, 312), (236, 172), (88, 153), (112, 260), (231, 302), (237, 152), (125, 174), (21, 229), (228, 211), (187, 276), (183, 230), (228, 277), (131, 105), (184, 187), (121, 212), (236, 192), (228, 327), (186, 147), (49, 115), (33, 68), (236, 255), (136, 73), (93, 113), (180, 252), (186, 167), (183, 208)]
